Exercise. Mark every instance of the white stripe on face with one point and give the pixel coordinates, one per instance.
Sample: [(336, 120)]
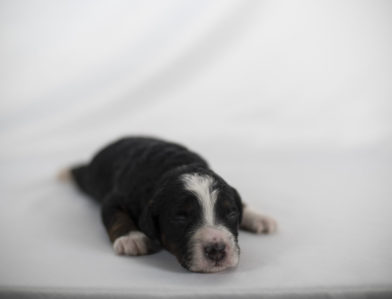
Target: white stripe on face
[(201, 187)]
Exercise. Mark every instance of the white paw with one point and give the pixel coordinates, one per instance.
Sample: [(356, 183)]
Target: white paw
[(258, 223), (264, 224), (134, 243)]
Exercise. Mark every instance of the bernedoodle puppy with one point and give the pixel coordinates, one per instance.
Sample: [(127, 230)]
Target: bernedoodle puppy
[(156, 194)]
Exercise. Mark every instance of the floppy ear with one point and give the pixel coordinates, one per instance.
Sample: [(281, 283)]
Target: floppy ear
[(238, 202), (148, 222)]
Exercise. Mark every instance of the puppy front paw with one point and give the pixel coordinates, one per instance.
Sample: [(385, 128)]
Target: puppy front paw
[(258, 223), (134, 243)]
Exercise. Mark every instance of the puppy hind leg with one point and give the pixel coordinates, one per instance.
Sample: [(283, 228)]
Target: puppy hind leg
[(125, 236)]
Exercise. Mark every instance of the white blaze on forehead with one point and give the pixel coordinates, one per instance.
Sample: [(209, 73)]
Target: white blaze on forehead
[(201, 187)]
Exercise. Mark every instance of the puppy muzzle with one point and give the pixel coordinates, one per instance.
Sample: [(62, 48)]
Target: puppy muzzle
[(213, 249)]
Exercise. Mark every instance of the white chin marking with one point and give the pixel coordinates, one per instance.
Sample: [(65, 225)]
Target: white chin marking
[(257, 223), (134, 243), (206, 235)]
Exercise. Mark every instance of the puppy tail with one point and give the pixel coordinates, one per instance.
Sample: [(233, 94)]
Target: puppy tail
[(64, 175), (79, 175)]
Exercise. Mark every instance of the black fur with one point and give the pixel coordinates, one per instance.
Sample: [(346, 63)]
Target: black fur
[(137, 181)]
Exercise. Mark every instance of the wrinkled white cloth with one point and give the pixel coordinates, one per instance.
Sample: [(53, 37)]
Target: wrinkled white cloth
[(290, 101)]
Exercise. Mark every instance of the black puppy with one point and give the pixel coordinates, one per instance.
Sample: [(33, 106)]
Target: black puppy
[(159, 194)]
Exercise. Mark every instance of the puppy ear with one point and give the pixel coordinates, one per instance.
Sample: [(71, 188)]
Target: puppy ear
[(148, 222), (238, 202)]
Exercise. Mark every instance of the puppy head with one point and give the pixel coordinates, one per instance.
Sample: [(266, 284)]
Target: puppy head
[(196, 216)]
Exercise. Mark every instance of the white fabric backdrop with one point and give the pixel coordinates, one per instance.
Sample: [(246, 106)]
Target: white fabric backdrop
[(288, 100)]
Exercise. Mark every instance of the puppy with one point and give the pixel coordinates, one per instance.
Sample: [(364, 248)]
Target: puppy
[(156, 194)]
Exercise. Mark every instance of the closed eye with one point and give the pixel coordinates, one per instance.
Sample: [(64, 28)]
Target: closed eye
[(232, 214), (181, 217)]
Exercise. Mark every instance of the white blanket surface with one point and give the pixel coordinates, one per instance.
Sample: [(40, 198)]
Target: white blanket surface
[(290, 101)]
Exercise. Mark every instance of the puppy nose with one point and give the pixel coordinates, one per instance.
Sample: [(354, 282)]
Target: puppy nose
[(215, 251)]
